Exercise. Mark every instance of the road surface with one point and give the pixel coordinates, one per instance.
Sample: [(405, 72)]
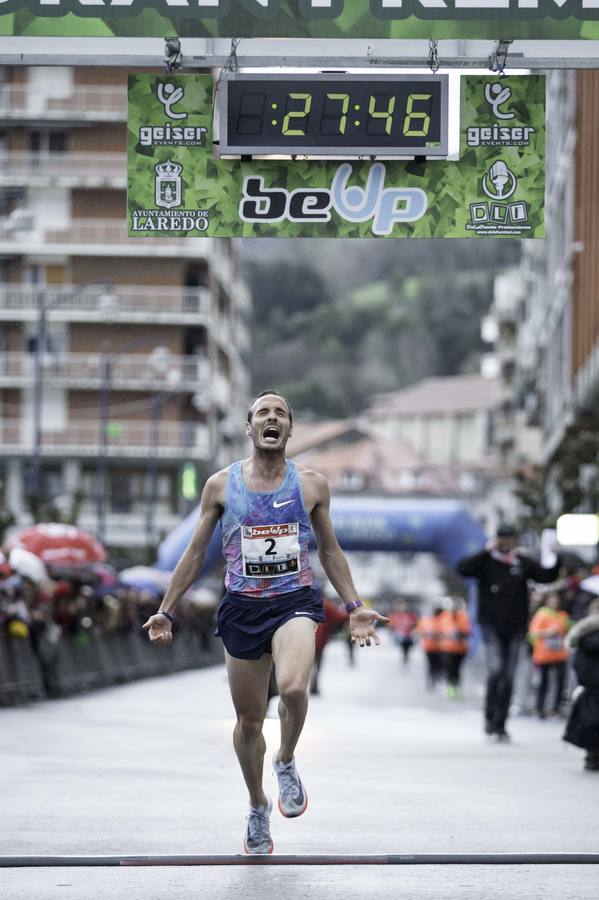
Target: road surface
[(149, 768)]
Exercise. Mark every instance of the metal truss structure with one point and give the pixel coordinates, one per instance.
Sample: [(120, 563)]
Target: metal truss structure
[(312, 53)]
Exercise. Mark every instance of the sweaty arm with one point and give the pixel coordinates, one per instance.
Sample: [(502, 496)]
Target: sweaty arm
[(186, 570), (334, 563)]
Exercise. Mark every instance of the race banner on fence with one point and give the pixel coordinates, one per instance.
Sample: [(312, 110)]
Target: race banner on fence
[(177, 188), (371, 19)]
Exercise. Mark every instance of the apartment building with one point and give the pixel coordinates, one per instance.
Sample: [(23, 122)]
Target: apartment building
[(560, 323), (122, 361), (448, 421), (513, 360)]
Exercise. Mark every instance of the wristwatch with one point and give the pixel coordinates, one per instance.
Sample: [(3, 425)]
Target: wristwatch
[(168, 616), (355, 604)]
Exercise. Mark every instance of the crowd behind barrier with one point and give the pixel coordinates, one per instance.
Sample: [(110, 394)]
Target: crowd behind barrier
[(64, 636)]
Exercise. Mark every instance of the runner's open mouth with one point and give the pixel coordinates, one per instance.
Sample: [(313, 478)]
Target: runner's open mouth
[(271, 432)]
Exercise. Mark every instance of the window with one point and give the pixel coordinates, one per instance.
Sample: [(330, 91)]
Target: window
[(121, 491), (352, 481), (43, 142)]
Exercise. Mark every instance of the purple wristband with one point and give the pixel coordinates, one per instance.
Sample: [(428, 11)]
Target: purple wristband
[(355, 604)]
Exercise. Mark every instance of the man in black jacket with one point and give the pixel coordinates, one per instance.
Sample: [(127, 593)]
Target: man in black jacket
[(503, 575)]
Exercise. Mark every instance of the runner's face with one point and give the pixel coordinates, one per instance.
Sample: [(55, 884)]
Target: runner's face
[(506, 544), (270, 427)]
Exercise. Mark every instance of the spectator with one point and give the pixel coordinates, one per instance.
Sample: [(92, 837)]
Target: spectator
[(454, 627), (334, 618), (547, 632), (503, 574), (582, 728), (428, 631), (402, 623)]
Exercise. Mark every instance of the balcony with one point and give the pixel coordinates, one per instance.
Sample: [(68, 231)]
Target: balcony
[(126, 440), (84, 371), (108, 303), (128, 529), (91, 170), (220, 390), (23, 235), (82, 104)]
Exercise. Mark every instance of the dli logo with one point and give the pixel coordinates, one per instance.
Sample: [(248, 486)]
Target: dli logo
[(496, 216), (168, 185), (499, 183)]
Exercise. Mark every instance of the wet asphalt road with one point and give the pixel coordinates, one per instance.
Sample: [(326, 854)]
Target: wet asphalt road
[(149, 768)]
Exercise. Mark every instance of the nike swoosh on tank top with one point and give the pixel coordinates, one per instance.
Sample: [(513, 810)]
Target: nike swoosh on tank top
[(266, 537)]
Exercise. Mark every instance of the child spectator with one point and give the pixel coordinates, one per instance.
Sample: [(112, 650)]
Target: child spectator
[(454, 627), (335, 618), (402, 623), (429, 634), (547, 631)]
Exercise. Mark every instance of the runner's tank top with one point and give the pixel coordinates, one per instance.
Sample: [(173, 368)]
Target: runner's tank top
[(266, 537)]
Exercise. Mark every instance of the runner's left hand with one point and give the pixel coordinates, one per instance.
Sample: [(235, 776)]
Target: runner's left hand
[(160, 630), (361, 625)]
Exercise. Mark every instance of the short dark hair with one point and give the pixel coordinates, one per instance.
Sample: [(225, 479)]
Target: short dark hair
[(266, 394), (506, 529)]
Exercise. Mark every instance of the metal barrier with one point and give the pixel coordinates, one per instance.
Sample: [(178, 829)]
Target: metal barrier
[(29, 672)]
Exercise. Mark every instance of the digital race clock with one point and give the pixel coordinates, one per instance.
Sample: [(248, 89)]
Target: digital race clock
[(333, 115)]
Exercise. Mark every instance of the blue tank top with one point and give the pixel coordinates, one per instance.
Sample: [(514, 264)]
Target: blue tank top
[(266, 537)]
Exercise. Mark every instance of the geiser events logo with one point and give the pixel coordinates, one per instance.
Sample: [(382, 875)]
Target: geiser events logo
[(386, 207), (499, 134), (169, 135)]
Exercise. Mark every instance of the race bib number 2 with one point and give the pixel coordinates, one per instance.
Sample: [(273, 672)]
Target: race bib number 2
[(270, 551)]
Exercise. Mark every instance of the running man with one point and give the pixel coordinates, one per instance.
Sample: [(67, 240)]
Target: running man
[(267, 506)]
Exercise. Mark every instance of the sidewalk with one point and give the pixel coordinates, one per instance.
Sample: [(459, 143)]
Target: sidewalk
[(149, 768)]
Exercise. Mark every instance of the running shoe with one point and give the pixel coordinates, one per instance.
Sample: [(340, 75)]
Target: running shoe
[(293, 799), (502, 735), (257, 834)]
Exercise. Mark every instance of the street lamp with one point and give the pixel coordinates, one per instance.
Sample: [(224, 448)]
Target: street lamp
[(159, 360), (38, 383), (160, 364), (102, 476)]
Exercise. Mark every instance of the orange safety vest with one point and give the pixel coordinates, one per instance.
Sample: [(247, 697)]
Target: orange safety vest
[(549, 648), (428, 632), (454, 629)]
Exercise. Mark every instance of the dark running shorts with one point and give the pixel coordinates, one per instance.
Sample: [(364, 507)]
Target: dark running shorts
[(247, 625)]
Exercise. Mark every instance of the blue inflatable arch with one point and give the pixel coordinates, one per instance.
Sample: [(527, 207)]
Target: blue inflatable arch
[(442, 527)]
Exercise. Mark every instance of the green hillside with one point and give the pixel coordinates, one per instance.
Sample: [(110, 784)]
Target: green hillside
[(337, 321)]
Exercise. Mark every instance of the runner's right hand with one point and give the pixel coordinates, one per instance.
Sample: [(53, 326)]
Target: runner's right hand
[(160, 630)]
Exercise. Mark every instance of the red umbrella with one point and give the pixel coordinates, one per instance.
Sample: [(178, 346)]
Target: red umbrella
[(56, 544)]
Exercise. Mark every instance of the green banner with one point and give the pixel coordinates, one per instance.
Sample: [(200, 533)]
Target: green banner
[(178, 189), (506, 19)]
